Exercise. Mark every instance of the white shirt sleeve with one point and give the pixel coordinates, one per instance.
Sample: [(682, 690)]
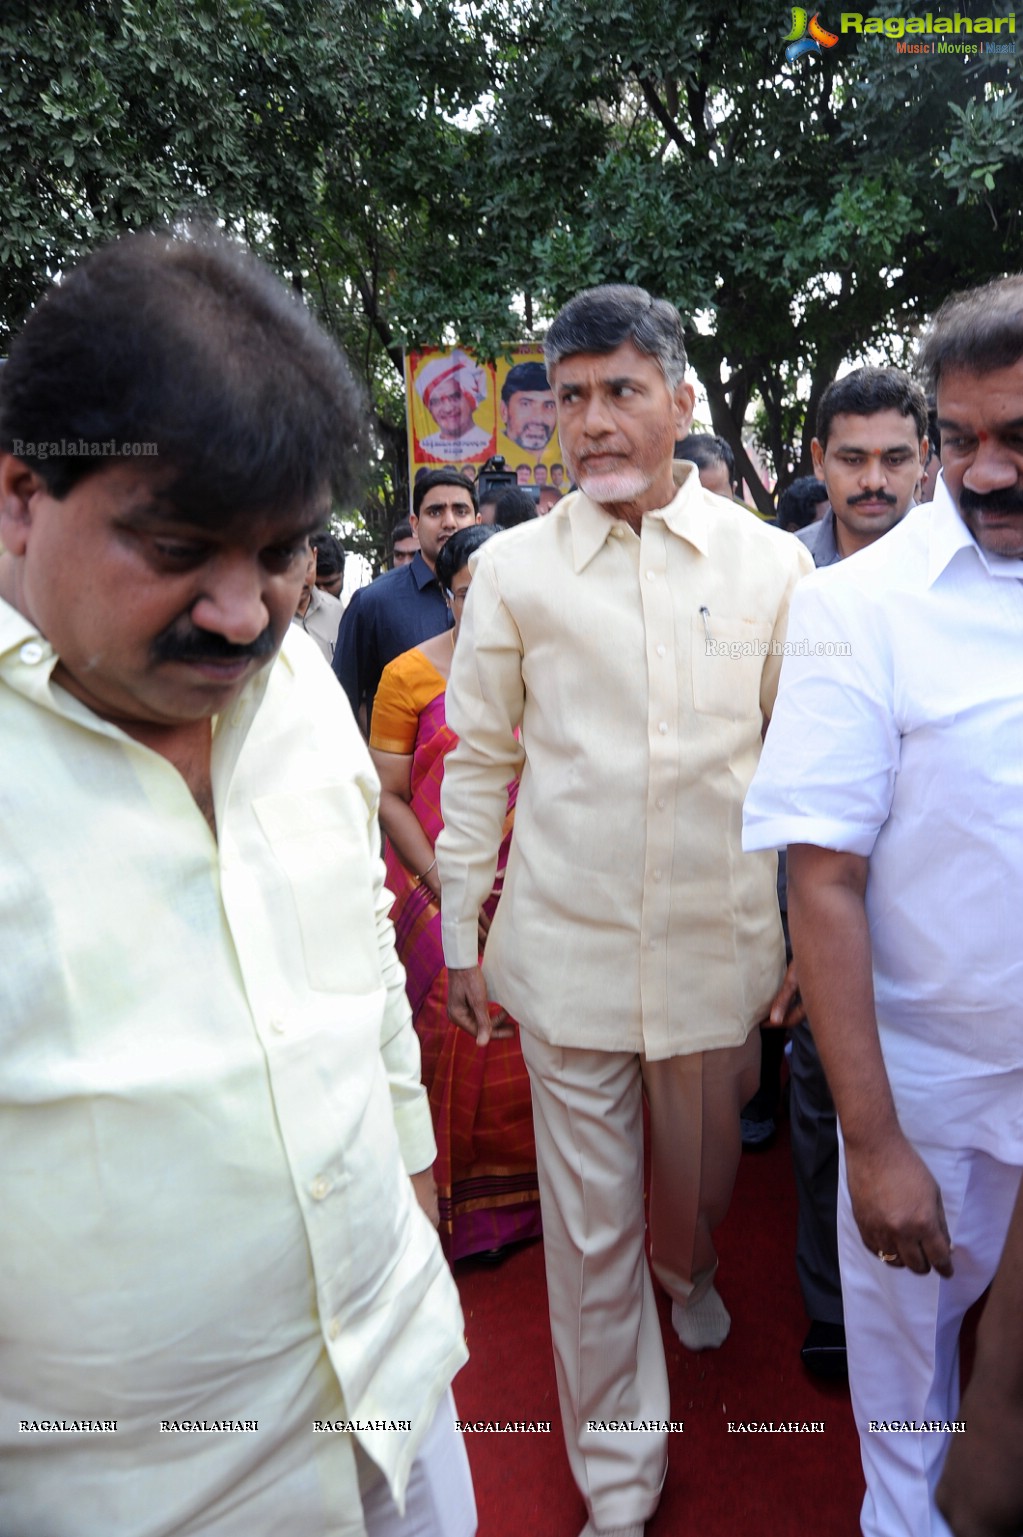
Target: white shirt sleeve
[(827, 773)]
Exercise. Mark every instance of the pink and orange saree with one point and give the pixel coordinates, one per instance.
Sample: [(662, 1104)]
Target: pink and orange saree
[(482, 1114)]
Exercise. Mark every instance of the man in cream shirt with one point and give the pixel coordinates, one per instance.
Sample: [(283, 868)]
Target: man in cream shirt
[(223, 1312), (621, 656)]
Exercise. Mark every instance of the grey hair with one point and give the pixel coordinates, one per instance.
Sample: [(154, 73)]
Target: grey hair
[(978, 331), (601, 319)]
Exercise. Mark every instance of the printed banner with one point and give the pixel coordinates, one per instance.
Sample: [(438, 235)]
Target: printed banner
[(461, 412)]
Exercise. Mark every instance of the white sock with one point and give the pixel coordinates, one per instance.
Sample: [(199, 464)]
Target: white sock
[(589, 1530), (703, 1325)]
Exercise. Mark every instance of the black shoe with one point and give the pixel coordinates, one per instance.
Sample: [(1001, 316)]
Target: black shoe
[(823, 1352), (492, 1257), (757, 1136)]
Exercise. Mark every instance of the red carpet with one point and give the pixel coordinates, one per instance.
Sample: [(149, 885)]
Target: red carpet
[(719, 1484)]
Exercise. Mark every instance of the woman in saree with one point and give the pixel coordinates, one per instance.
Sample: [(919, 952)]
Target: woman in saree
[(482, 1113)]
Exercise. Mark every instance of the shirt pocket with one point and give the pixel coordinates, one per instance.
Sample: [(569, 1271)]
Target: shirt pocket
[(729, 656), (320, 840)]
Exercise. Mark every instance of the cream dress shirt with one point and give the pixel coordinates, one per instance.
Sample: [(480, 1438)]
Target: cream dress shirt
[(209, 1102), (627, 678), (322, 620), (908, 750)]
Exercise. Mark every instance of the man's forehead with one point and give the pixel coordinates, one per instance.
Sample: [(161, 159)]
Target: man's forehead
[(160, 510), (877, 433), (960, 393), (444, 496), (622, 361), (446, 390), (529, 396)]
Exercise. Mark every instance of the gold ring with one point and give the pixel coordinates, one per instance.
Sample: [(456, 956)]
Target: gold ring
[(886, 1259)]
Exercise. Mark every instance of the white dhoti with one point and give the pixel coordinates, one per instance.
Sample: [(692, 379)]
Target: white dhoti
[(903, 1330)]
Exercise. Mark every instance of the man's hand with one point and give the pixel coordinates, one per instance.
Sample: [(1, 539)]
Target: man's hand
[(468, 1007), (787, 1009), (425, 1187), (897, 1206)]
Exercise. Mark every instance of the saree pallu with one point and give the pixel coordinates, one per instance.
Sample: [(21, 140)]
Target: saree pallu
[(479, 1096)]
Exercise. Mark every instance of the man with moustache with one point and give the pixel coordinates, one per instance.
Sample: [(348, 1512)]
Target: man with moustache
[(528, 413), (618, 657), (892, 771), (870, 450), (212, 1128)]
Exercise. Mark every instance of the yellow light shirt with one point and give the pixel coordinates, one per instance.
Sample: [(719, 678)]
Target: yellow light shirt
[(209, 1102), (640, 670)]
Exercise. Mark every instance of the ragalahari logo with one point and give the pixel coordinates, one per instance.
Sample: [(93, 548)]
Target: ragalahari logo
[(800, 42)]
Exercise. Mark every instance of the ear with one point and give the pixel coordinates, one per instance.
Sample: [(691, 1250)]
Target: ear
[(925, 449), (817, 453), (684, 398), (18, 485), (413, 520)]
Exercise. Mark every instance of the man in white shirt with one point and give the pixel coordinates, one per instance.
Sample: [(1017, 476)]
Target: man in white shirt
[(618, 654), (318, 613), (869, 453), (892, 771), (222, 1310)]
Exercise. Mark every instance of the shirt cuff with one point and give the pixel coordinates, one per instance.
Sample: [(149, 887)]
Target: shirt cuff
[(461, 943), (414, 1125), (777, 832)]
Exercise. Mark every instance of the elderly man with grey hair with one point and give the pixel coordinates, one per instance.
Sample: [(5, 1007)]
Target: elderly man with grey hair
[(622, 658)]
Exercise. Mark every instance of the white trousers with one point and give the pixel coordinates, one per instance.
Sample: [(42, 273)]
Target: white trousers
[(439, 1499), (608, 1352), (902, 1331)]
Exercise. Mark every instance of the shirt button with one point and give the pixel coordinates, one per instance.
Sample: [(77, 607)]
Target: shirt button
[(660, 803), (334, 1329), (277, 1025), (31, 653), (663, 727), (651, 575), (320, 1188), (658, 875), (651, 944), (662, 650)]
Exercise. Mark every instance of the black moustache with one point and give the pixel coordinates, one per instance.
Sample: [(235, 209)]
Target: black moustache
[(879, 496), (203, 646), (1008, 500)]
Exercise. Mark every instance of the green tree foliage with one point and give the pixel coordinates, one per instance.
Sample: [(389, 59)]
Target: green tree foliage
[(798, 214), (444, 170)]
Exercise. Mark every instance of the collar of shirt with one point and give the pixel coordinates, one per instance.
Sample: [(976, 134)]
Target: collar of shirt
[(948, 535), (27, 661), (685, 515), (421, 573), (820, 540)]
